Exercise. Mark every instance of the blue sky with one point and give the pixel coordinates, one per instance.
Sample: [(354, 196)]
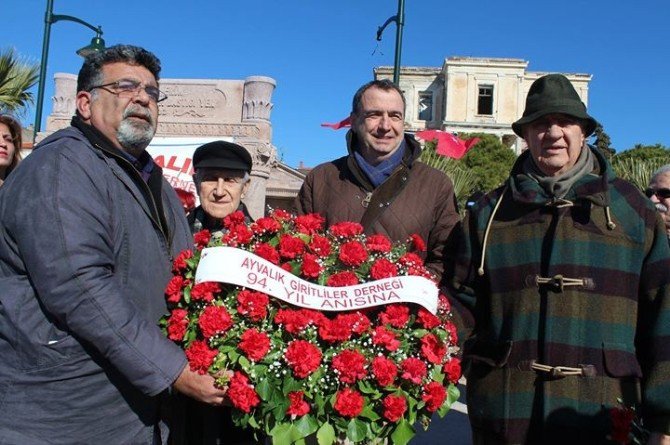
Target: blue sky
[(320, 52)]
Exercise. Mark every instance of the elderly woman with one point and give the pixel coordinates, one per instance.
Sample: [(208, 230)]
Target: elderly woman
[(10, 145), (221, 179)]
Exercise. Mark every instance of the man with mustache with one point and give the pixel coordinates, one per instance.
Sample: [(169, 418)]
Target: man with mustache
[(564, 268), (88, 232)]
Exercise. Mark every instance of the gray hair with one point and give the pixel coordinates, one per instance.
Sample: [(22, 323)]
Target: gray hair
[(661, 171), (90, 73)]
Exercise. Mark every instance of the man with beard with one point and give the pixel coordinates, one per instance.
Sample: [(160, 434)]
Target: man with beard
[(88, 231)]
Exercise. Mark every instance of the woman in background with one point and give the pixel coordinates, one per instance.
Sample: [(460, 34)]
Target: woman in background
[(10, 145)]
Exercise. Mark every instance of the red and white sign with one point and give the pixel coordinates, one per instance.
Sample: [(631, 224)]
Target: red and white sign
[(242, 268)]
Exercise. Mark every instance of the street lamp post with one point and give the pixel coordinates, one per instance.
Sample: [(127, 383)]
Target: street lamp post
[(399, 19), (97, 44)]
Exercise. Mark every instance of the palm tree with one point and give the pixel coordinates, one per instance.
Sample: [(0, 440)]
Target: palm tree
[(17, 76)]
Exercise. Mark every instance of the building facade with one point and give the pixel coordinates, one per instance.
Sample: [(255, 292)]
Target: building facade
[(471, 95)]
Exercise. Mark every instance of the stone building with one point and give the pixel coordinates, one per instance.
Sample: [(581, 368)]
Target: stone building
[(471, 95), (198, 111)]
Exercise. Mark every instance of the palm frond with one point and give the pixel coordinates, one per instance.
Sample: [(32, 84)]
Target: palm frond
[(17, 76)]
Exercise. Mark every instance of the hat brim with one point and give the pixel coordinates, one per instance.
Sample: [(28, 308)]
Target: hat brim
[(589, 122)]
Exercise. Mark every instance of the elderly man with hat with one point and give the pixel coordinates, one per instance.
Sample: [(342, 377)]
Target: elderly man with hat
[(564, 270), (221, 178)]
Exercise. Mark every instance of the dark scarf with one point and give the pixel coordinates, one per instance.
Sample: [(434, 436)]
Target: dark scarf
[(379, 173)]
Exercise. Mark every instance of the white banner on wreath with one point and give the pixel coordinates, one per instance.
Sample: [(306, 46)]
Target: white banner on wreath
[(243, 268)]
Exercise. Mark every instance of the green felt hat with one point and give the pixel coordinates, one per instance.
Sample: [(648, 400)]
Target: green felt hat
[(554, 94)]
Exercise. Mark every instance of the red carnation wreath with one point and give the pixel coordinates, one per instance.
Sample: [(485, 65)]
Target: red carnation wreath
[(363, 374)]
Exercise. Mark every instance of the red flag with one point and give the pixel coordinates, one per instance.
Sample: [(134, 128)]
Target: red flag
[(448, 144), (344, 123)]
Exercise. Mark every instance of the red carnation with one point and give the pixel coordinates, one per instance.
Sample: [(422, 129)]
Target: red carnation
[(310, 223), (384, 370), (434, 395), (287, 267), (433, 348), (294, 321), (452, 330), (265, 225), (397, 315), (202, 238), (320, 245), (351, 366), (298, 407), (413, 370), (443, 303), (267, 252), (310, 267), (177, 324), (353, 253), (205, 291), (358, 321), (200, 356), (417, 242), (410, 259), (238, 235), (341, 279), (252, 304), (348, 402), (394, 407), (174, 287), (234, 219), (338, 329), (378, 243), (254, 344), (426, 319), (346, 229), (214, 320), (452, 369), (241, 394), (383, 268), (280, 215), (180, 262), (384, 337), (291, 247), (303, 357)]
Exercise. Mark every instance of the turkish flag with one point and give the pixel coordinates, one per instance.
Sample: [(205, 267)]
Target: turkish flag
[(344, 123), (448, 144)]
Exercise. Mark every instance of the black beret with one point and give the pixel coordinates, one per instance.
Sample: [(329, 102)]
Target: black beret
[(222, 154)]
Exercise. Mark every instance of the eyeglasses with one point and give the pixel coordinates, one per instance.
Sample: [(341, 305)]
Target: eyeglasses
[(660, 193), (127, 88)]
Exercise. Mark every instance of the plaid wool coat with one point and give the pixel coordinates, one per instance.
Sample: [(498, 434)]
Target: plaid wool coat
[(583, 283)]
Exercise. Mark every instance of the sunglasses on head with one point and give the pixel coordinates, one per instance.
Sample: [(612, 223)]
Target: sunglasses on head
[(660, 193)]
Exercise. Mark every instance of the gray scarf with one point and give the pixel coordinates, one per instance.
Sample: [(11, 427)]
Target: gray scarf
[(558, 186)]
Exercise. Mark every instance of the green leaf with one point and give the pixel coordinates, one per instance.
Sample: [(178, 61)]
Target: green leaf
[(369, 413), (187, 294), (264, 390), (365, 387), (244, 362), (307, 425), (282, 434), (357, 430), (403, 433), (326, 434)]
